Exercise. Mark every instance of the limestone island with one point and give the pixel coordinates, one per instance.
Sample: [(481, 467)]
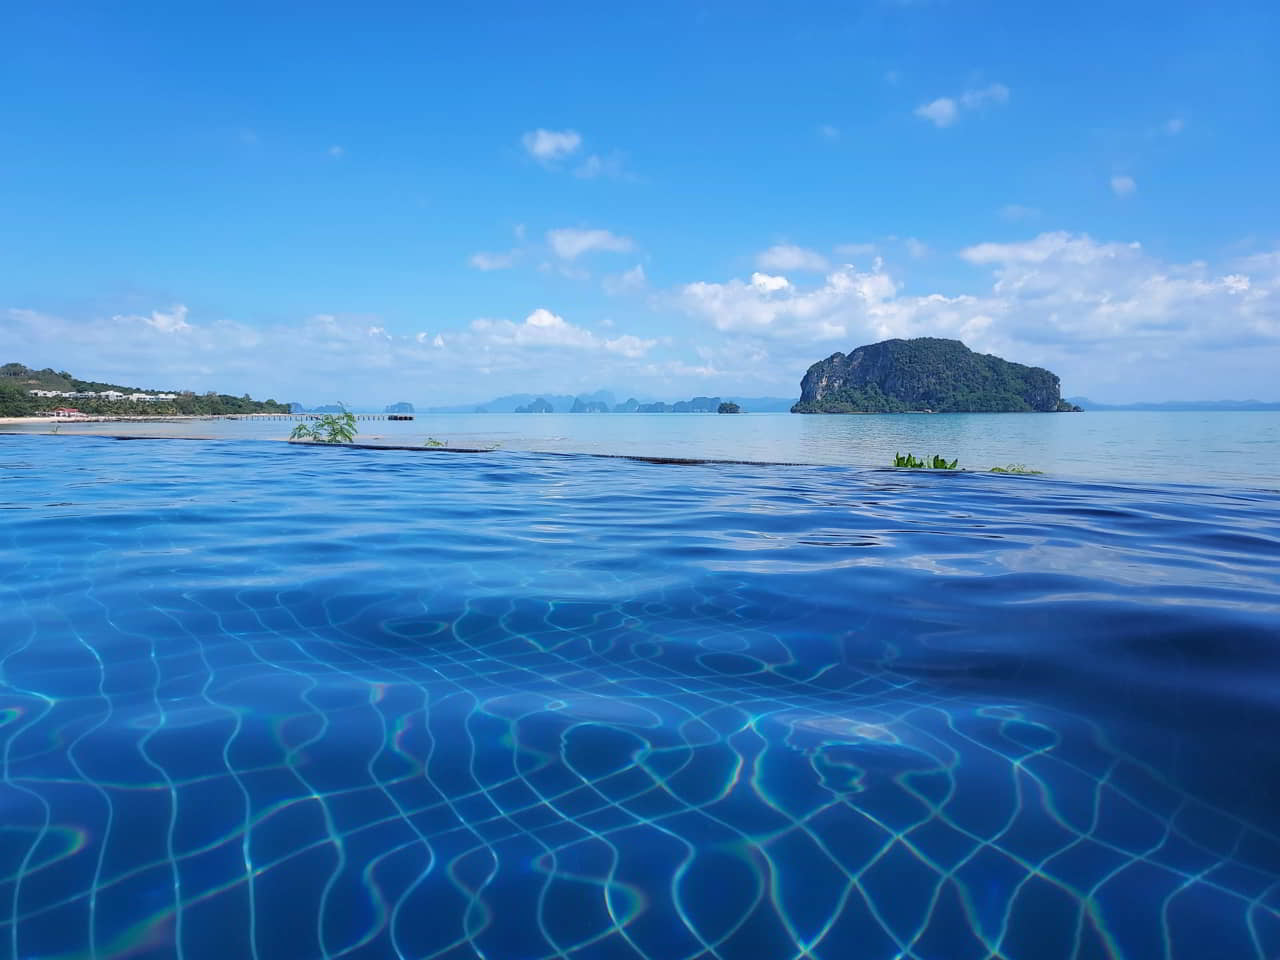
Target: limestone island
[(926, 375)]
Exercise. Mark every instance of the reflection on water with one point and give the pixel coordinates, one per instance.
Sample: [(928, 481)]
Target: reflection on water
[(258, 700)]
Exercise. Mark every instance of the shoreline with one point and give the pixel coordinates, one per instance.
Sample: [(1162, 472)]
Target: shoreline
[(141, 418)]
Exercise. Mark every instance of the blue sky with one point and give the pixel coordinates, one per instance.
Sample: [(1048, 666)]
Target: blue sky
[(444, 203)]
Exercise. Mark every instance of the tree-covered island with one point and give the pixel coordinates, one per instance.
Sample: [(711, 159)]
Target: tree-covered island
[(927, 374)]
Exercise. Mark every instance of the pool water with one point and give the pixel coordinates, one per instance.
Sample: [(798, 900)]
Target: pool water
[(266, 701)]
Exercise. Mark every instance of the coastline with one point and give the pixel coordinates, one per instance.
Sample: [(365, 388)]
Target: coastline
[(141, 418)]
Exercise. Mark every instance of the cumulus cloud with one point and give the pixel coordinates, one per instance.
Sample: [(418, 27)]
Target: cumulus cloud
[(786, 256), (1067, 301), (767, 284), (569, 243), (548, 146), (542, 328), (352, 357), (945, 111), (1075, 292), (1123, 186)]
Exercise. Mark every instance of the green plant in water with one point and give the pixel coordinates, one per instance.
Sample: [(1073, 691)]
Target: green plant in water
[(1018, 468), (330, 428), (433, 442), (911, 463)]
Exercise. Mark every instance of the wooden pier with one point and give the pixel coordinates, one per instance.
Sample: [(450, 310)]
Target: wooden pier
[(308, 416)]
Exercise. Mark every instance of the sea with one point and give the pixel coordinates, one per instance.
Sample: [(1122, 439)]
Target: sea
[(262, 700), (1240, 448)]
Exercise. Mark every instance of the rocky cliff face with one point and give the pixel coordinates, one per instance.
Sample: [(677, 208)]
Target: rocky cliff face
[(943, 376)]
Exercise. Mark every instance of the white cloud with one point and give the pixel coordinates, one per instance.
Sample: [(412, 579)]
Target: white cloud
[(629, 346), (945, 111), (629, 281), (786, 256), (941, 112), (1085, 309), (995, 93), (1016, 211), (349, 357), (767, 284), (493, 261), (542, 328), (771, 306), (548, 146), (1061, 247), (1123, 186), (569, 243), (828, 132), (1078, 293), (175, 321)]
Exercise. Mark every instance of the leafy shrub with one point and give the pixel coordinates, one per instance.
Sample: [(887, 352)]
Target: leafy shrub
[(330, 428), (911, 463)]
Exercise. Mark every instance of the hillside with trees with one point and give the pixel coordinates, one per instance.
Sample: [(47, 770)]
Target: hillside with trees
[(17, 381)]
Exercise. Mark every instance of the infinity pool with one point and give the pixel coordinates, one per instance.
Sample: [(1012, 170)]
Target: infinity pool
[(266, 701)]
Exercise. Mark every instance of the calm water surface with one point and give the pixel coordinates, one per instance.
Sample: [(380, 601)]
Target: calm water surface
[(1232, 448), (274, 702)]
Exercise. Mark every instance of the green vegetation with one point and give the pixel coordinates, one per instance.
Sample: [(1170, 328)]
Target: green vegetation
[(17, 380), (728, 407), (911, 463), (926, 375), (330, 428), (433, 442), (1017, 468)]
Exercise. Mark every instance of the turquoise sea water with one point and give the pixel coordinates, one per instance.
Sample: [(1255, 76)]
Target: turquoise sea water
[(1227, 448), (268, 701)]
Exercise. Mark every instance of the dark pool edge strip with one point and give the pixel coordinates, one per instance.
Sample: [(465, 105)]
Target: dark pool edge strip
[(637, 457)]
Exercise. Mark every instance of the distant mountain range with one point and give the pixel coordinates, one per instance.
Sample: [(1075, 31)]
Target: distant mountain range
[(1084, 403), (602, 401)]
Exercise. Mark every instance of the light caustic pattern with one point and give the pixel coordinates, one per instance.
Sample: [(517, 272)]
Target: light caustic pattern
[(277, 703)]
